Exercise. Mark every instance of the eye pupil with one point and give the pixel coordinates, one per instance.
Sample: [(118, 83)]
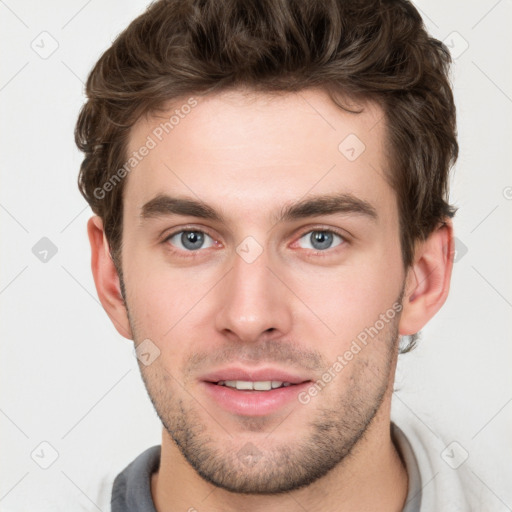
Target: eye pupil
[(321, 239)]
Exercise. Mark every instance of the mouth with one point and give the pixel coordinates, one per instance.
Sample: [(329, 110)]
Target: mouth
[(253, 393), (247, 385)]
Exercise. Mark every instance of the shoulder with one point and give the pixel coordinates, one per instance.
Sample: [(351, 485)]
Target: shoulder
[(131, 488)]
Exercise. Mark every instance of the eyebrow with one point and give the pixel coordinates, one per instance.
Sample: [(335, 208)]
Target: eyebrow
[(328, 205), (164, 205)]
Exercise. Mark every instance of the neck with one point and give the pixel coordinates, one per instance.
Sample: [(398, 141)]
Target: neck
[(372, 477)]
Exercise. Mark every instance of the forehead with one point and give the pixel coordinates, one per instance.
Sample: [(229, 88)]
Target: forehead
[(253, 151)]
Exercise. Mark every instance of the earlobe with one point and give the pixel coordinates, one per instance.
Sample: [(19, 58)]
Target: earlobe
[(106, 278), (428, 280)]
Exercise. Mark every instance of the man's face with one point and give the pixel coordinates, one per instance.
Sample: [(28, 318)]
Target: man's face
[(293, 260)]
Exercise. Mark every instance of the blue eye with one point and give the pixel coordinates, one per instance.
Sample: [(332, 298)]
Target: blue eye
[(191, 240), (320, 240)]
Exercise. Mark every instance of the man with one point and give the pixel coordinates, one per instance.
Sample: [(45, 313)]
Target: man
[(270, 184)]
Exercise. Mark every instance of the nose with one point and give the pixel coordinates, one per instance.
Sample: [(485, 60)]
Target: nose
[(254, 302)]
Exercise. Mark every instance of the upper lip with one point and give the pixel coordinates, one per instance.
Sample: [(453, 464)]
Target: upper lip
[(254, 375)]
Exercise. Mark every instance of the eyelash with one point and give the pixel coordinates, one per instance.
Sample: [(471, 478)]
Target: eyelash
[(328, 252), (316, 253)]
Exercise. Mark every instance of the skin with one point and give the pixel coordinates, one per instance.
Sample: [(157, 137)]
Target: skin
[(247, 156)]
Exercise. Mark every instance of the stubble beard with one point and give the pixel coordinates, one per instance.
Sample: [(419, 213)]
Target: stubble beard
[(270, 464)]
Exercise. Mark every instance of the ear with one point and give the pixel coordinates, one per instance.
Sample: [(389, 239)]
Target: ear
[(106, 278), (428, 279)]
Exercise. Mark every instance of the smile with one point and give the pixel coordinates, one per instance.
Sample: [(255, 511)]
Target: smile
[(247, 385)]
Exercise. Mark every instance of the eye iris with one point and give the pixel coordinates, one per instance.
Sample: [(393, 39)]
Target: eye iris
[(321, 239), (192, 239)]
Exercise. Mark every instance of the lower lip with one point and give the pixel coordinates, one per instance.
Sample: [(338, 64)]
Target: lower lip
[(253, 403)]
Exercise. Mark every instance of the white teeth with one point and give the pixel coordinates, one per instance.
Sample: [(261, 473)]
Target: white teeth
[(261, 385), (243, 384)]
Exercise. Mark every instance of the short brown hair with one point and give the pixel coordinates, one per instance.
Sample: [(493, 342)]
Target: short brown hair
[(367, 50)]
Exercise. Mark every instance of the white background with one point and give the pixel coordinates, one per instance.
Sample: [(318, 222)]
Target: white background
[(68, 378)]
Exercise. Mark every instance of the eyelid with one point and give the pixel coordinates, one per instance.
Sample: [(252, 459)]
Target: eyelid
[(327, 229), (170, 232)]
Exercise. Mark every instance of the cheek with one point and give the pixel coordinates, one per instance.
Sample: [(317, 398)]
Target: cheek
[(349, 300), (159, 304), (167, 304)]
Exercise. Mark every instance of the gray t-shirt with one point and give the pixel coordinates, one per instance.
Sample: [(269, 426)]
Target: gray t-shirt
[(132, 487)]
